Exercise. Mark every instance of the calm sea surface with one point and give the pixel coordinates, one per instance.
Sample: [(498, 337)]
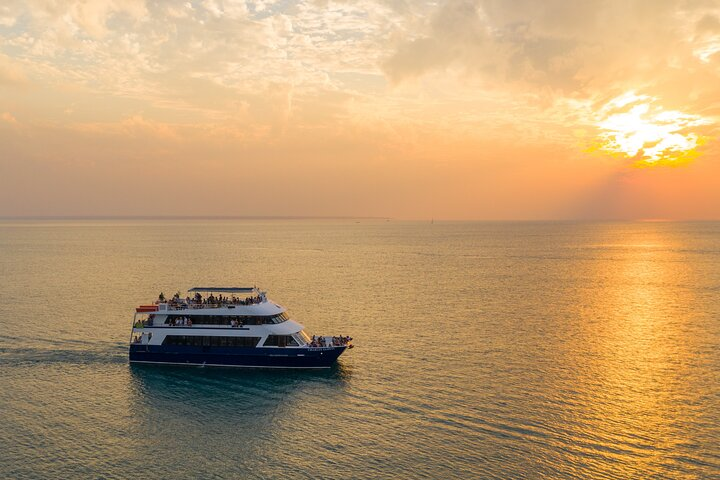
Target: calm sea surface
[(483, 350)]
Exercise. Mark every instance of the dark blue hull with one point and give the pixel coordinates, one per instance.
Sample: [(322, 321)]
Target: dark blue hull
[(237, 357)]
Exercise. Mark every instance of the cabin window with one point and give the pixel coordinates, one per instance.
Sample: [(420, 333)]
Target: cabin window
[(279, 318), (280, 341), (304, 336), (245, 342), (227, 319), (211, 341)]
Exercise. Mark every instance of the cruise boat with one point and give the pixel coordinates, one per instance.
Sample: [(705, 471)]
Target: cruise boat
[(219, 326)]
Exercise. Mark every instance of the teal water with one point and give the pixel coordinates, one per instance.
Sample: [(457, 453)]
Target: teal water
[(483, 350)]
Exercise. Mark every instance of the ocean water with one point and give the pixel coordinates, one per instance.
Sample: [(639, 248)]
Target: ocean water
[(483, 350)]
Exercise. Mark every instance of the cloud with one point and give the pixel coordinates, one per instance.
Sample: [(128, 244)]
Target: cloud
[(91, 18), (7, 117), (457, 32), (11, 73), (570, 47), (708, 23)]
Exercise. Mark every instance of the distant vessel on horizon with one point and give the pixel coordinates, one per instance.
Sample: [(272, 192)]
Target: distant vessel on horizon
[(244, 329)]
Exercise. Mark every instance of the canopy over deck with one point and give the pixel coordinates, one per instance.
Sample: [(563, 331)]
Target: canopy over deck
[(224, 289)]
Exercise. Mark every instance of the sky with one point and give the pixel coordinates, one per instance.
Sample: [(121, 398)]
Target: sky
[(458, 110)]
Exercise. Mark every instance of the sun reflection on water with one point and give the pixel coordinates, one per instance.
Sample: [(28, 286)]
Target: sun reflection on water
[(634, 367)]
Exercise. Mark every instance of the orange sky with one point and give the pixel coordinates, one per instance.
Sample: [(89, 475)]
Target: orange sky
[(466, 109)]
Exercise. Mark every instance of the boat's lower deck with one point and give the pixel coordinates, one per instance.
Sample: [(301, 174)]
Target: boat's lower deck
[(322, 357)]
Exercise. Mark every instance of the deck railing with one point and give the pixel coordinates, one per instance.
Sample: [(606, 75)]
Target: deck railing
[(199, 306)]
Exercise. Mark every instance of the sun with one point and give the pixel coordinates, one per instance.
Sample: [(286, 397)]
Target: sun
[(635, 126)]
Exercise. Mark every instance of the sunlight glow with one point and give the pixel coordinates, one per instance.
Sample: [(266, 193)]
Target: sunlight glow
[(633, 126)]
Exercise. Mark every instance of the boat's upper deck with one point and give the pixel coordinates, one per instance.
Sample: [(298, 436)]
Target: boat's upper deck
[(215, 301)]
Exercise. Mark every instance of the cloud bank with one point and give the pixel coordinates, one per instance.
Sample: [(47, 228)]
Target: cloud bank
[(470, 108)]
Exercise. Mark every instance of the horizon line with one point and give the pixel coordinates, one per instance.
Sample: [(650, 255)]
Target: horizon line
[(188, 217), (339, 217)]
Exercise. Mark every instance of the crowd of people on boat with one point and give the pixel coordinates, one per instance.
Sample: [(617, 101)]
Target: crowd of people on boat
[(138, 338), (187, 322), (334, 342), (180, 322), (212, 300)]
